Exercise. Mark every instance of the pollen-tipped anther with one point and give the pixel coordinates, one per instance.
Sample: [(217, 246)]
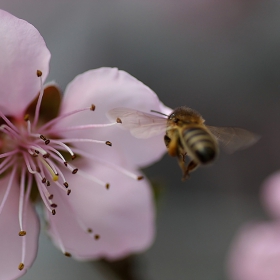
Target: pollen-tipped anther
[(53, 205), (67, 254), (89, 230), (66, 185), (92, 107), (50, 197), (48, 183), (22, 233), (75, 171), (118, 120), (108, 143), (68, 192), (96, 236), (107, 186), (53, 212), (47, 142), (26, 117), (39, 73), (21, 266), (140, 178), (73, 156)]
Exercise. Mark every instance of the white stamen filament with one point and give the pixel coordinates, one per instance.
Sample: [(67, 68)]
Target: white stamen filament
[(88, 126), (57, 119), (38, 105), (12, 178)]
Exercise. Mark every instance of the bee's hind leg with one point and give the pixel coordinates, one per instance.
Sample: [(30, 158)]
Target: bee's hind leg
[(186, 170)]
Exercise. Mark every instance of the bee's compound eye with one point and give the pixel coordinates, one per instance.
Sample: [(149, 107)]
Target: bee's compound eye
[(172, 116)]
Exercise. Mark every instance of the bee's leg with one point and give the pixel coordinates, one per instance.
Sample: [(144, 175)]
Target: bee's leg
[(186, 170), (171, 145)]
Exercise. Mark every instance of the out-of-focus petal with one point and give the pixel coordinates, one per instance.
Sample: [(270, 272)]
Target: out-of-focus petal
[(22, 52), (122, 216), (11, 243), (271, 195), (255, 253), (108, 88)]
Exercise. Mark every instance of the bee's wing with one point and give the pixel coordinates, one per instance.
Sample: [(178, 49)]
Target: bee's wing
[(140, 124), (233, 138)]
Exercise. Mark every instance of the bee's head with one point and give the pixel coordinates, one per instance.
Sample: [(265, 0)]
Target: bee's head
[(184, 115)]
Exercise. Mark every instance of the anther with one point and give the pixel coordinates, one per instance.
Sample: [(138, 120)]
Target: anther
[(96, 236), (26, 117), (21, 266), (65, 163), (75, 171), (44, 180), (107, 186), (47, 142), (22, 233), (66, 185), (39, 73), (73, 156), (140, 178), (53, 212), (50, 197), (108, 143), (67, 254), (43, 137), (118, 120), (48, 183), (89, 230), (92, 108), (46, 155), (68, 192), (53, 205)]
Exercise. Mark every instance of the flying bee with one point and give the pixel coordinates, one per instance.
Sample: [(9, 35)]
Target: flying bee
[(185, 134)]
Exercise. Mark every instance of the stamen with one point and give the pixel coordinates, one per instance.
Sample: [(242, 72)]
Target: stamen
[(28, 164), (12, 179), (21, 266), (21, 202), (118, 120), (83, 140), (65, 147), (9, 131), (49, 166), (94, 179), (8, 122), (38, 105), (9, 153), (109, 164), (57, 119), (81, 127)]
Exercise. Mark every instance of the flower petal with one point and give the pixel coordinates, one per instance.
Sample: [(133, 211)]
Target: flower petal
[(11, 243), (271, 195), (122, 216), (108, 88), (255, 253), (22, 52)]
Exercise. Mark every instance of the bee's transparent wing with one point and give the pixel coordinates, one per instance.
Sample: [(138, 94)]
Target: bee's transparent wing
[(140, 124), (233, 138)]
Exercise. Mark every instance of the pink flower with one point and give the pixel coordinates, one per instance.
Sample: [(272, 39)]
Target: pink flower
[(96, 206), (271, 195), (255, 253)]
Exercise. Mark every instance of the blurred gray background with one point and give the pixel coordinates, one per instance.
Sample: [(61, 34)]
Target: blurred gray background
[(220, 57)]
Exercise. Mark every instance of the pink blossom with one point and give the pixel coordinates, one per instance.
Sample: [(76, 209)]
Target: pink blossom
[(96, 206), (271, 195), (255, 253)]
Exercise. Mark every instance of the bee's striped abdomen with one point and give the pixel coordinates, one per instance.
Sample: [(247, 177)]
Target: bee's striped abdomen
[(200, 143)]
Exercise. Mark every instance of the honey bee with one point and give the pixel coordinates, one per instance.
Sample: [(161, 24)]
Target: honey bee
[(185, 134)]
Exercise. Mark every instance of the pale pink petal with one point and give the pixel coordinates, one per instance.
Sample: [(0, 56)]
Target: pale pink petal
[(123, 216), (109, 88), (271, 195), (10, 241), (22, 52), (255, 253)]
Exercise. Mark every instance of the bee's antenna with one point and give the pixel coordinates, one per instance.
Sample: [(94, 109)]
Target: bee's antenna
[(153, 111)]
